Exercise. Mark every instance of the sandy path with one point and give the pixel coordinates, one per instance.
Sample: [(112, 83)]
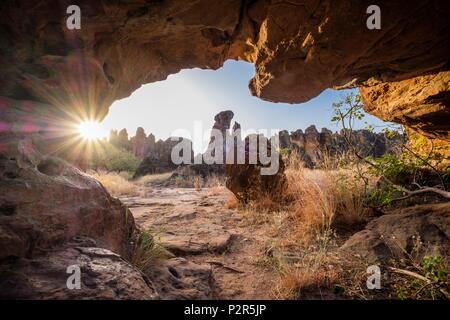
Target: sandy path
[(216, 252)]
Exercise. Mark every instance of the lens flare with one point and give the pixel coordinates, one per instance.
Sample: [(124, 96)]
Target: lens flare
[(91, 130)]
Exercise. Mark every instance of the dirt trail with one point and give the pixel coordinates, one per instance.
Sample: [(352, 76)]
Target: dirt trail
[(215, 250)]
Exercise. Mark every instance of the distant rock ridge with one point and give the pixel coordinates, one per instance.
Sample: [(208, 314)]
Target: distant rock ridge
[(157, 158), (313, 145)]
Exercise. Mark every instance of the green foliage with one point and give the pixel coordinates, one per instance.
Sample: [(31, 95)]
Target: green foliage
[(122, 161), (381, 196), (434, 269), (390, 133), (397, 172), (348, 109), (115, 159), (434, 285), (392, 167)]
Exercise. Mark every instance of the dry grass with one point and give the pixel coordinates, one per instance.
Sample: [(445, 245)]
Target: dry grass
[(153, 179), (265, 204), (214, 181), (196, 181), (232, 202), (328, 161), (325, 198), (296, 283), (116, 183), (303, 245), (148, 251), (319, 200), (259, 211)]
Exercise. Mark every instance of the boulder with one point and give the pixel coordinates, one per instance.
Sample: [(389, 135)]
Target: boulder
[(180, 279), (44, 202), (397, 234), (104, 275), (53, 216), (248, 184)]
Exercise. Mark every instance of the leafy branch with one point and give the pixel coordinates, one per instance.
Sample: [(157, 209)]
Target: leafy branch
[(347, 112)]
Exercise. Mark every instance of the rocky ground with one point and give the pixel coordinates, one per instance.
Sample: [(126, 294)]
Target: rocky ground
[(215, 251)]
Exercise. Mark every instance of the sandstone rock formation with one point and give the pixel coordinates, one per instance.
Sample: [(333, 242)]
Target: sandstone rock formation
[(395, 235), (104, 275), (299, 48), (246, 181), (158, 159), (142, 144), (44, 202), (52, 216), (139, 143), (157, 156), (222, 123), (313, 146), (120, 139), (421, 103), (222, 120)]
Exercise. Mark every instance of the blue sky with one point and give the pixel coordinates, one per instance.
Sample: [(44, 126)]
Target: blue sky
[(197, 95)]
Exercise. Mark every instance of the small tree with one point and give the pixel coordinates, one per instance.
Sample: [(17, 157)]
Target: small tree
[(112, 158), (346, 113)]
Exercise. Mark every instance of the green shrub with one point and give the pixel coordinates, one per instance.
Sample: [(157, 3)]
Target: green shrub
[(116, 159), (122, 160), (393, 167)]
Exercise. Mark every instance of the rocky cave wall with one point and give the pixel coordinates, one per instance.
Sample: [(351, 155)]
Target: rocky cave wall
[(299, 48), (51, 78)]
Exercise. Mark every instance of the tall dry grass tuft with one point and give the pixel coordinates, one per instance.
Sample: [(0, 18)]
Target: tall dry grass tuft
[(314, 204), (259, 211), (296, 283), (116, 183), (303, 233), (334, 161), (322, 198), (154, 179), (148, 251)]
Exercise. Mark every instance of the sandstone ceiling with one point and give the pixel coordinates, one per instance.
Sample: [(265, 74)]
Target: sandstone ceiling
[(299, 48)]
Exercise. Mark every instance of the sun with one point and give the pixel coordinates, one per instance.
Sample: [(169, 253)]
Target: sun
[(91, 130)]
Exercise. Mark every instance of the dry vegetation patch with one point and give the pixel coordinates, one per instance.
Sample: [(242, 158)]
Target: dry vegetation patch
[(117, 184), (153, 179), (304, 232)]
